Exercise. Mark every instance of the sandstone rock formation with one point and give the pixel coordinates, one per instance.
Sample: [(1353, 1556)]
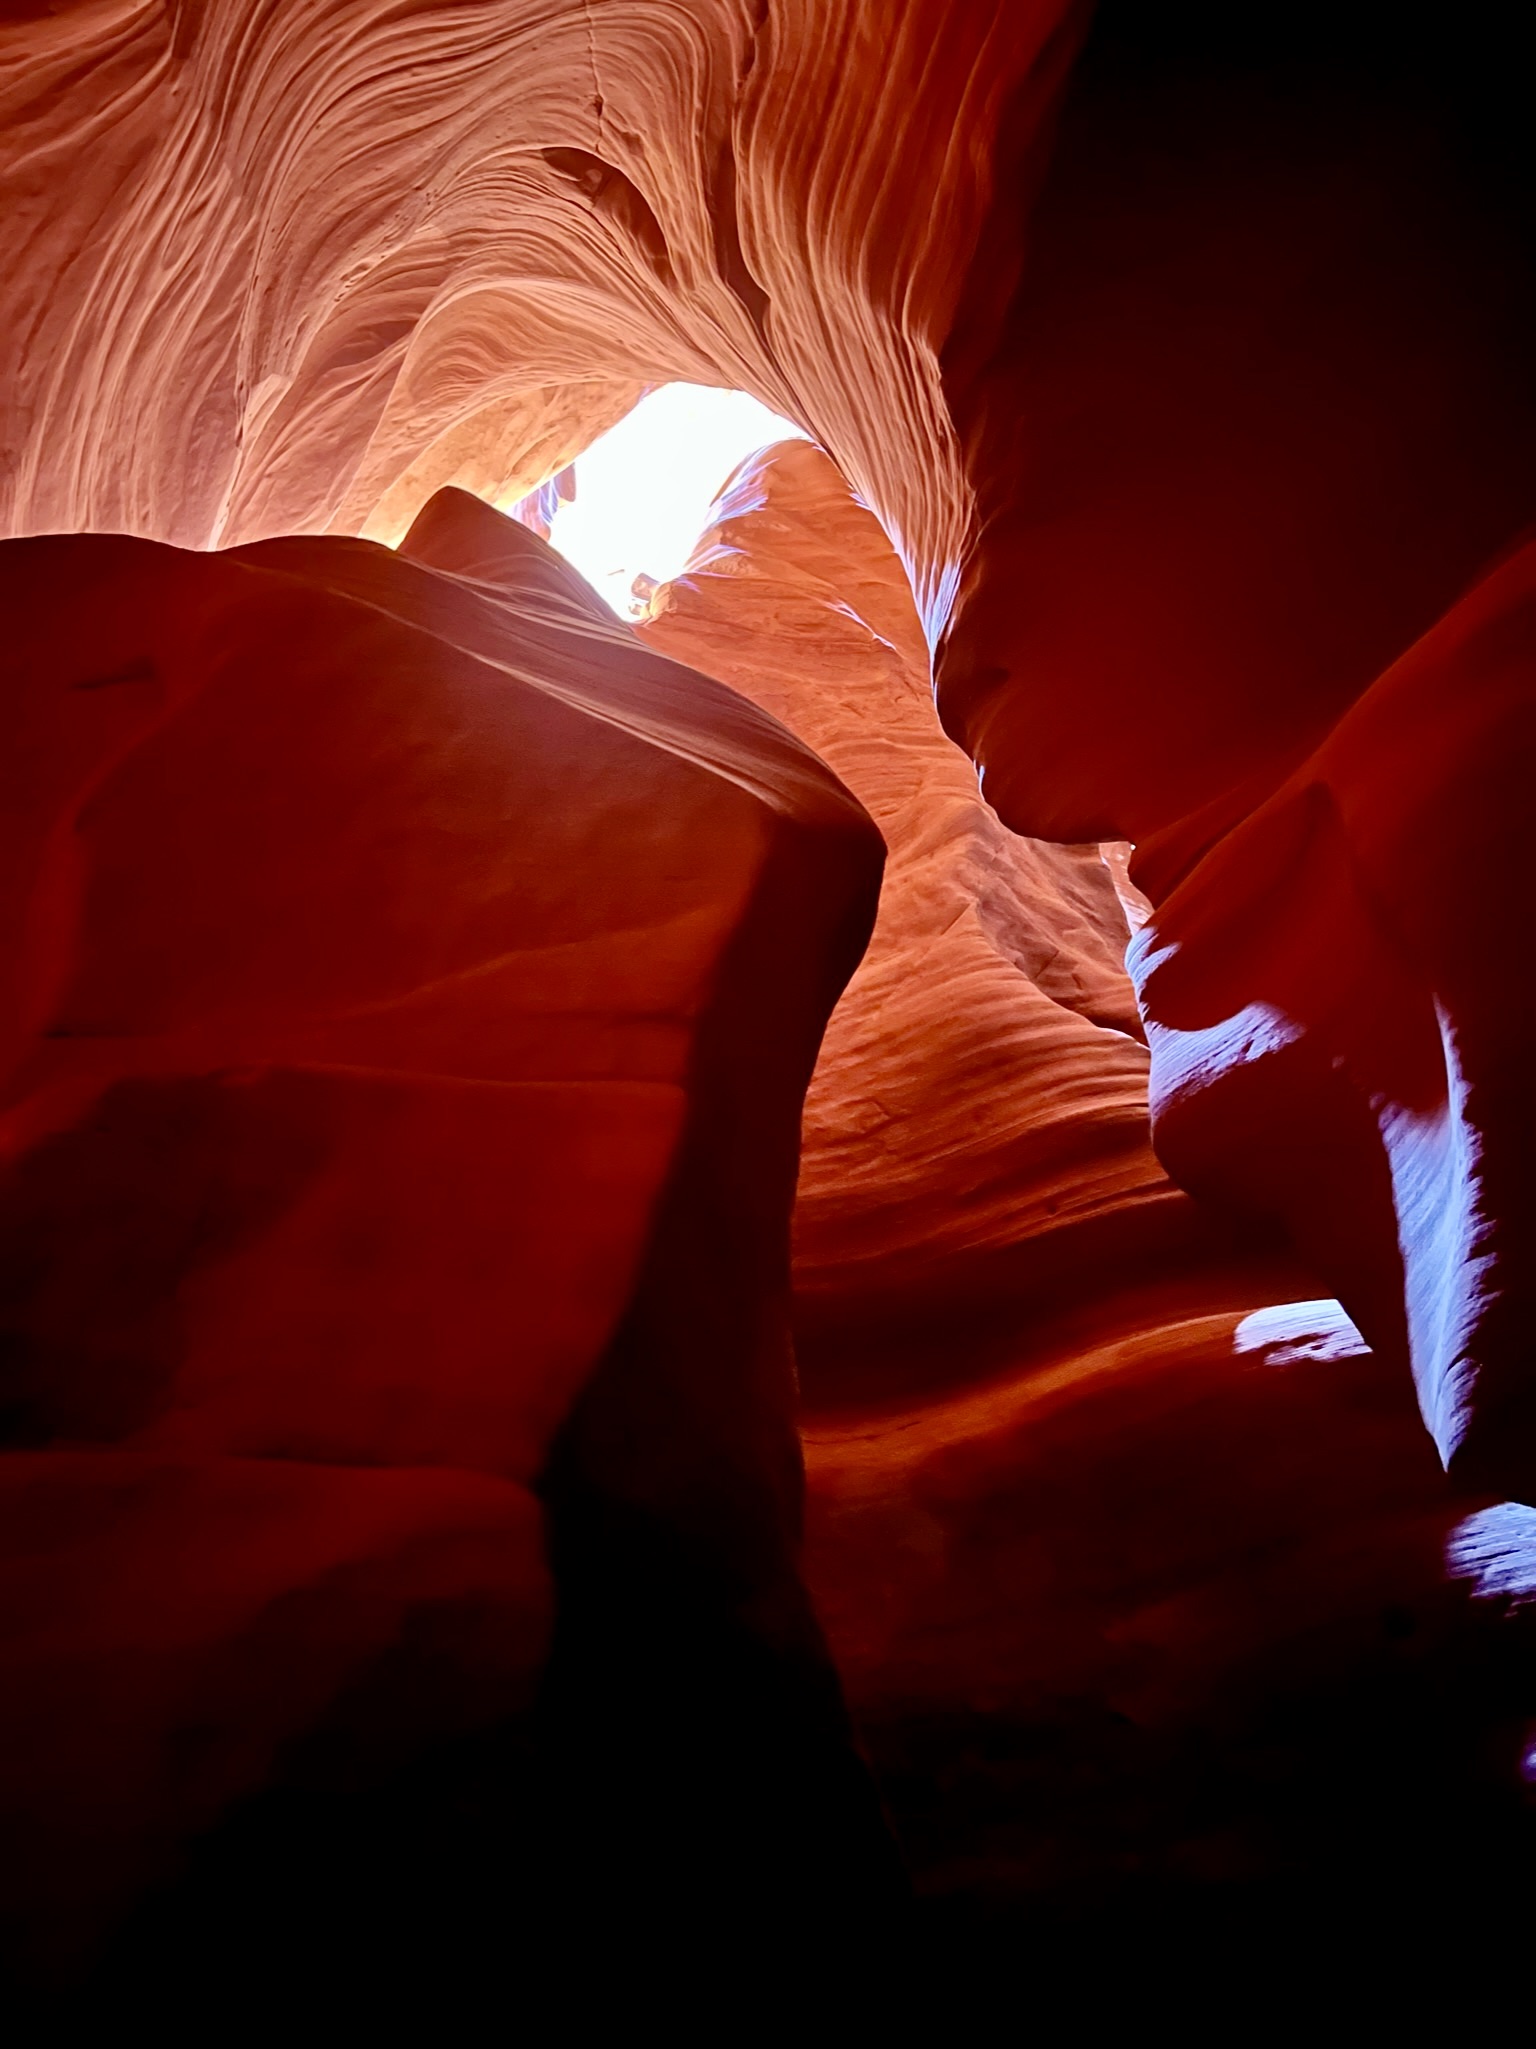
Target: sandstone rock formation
[(1276, 455), (1167, 1687), (1320, 1000), (412, 981), (276, 271), (412, 988), (1264, 397), (1136, 1580), (975, 1145)]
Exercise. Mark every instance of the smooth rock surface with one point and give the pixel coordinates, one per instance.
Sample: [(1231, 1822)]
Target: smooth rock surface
[(1252, 419), (1332, 999), (413, 987)]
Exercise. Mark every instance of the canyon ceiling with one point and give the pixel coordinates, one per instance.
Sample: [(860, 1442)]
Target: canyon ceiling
[(686, 1281)]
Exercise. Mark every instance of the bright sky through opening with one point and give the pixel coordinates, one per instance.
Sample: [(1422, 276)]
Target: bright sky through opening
[(643, 491)]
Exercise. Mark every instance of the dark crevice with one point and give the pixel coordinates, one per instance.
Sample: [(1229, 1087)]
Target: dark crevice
[(754, 43), (616, 199), (140, 670), (729, 254)]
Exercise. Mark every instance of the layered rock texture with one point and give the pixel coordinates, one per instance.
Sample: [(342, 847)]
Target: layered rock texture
[(975, 1140), (1277, 453), (413, 981), (312, 262)]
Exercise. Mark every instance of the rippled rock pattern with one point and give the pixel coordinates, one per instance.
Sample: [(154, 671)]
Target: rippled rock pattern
[(1172, 492), (311, 262)]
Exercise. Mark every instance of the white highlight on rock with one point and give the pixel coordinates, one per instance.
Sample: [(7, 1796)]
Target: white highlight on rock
[(1293, 1331), (1495, 1549)]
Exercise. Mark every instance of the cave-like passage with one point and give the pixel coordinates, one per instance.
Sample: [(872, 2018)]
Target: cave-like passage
[(643, 491)]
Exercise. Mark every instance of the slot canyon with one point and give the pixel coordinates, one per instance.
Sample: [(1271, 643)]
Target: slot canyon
[(835, 1286)]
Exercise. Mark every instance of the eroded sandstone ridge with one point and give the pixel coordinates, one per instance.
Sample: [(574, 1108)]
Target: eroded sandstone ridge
[(1171, 492), (936, 1147), (1268, 397)]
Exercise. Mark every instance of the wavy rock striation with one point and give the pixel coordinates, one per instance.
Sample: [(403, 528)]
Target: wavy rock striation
[(1171, 492), (975, 1148), (278, 269)]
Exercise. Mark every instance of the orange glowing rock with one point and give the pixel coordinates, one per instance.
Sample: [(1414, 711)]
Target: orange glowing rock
[(975, 1139)]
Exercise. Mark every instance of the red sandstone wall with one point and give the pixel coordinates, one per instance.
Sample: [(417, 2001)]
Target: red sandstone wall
[(356, 1147), (975, 1137)]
